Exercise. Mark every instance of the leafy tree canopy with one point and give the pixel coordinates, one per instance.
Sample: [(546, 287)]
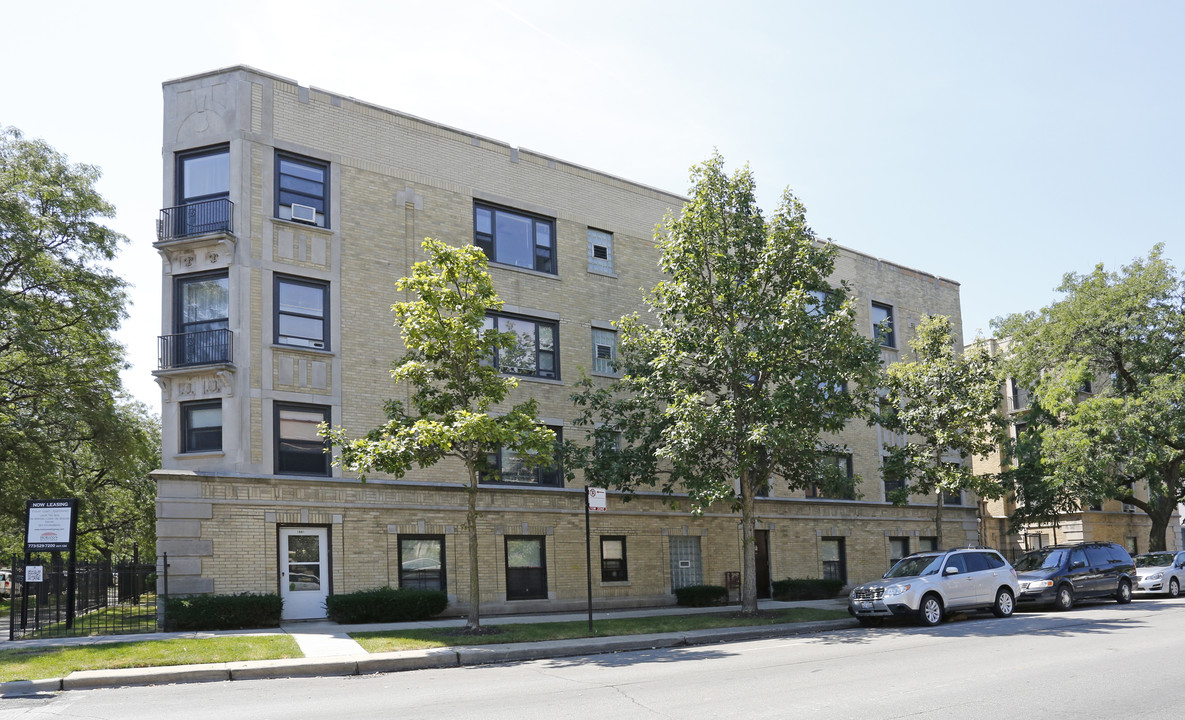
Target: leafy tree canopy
[(747, 359), (456, 393), (1106, 363)]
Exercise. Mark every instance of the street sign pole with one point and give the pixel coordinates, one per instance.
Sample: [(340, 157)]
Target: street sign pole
[(588, 555)]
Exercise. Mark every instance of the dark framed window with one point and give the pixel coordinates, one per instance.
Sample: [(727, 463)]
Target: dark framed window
[(526, 567), (513, 237), (201, 426), (834, 557), (843, 464), (302, 189), (882, 324), (927, 543), (506, 466), (604, 350), (898, 548), (299, 450), (203, 174), (421, 562), (613, 561), (536, 352), (201, 319), (302, 312)]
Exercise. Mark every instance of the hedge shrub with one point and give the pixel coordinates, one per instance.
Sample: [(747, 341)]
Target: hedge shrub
[(385, 605), (806, 589), (701, 595), (223, 612)]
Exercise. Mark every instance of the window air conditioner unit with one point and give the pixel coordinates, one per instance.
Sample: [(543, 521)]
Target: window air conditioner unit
[(304, 213)]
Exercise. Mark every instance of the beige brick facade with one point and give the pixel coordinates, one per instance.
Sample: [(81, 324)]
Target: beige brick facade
[(393, 180)]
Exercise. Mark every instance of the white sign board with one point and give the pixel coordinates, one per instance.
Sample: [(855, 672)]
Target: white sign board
[(49, 523), (597, 499), (34, 573)]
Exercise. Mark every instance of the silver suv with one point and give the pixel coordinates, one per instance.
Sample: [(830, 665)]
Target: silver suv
[(928, 585)]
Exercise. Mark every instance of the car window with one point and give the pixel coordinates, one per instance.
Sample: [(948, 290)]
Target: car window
[(1117, 555), (1078, 556), (1154, 560), (956, 561), (915, 566), (993, 560), (1098, 557), (976, 562), (1041, 560)]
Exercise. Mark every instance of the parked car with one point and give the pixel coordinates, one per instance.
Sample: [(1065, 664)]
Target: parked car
[(926, 586), (1160, 572), (1060, 575), (5, 583)]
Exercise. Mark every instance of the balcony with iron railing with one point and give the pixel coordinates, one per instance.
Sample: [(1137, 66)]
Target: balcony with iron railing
[(195, 219), (208, 347)]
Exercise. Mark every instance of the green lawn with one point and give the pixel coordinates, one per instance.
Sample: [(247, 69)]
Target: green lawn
[(393, 640), (35, 663)]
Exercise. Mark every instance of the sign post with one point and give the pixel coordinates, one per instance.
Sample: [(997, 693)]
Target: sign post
[(51, 526), (594, 499)]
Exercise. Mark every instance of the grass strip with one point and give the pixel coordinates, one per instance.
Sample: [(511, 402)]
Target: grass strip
[(417, 639), (35, 663)]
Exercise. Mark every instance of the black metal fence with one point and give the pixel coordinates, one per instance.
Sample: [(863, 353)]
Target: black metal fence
[(194, 348), (197, 218), (105, 598)]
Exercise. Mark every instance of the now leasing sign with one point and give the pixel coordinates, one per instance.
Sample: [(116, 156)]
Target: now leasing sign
[(50, 524)]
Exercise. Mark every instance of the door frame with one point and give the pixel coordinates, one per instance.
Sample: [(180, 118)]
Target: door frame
[(326, 562)]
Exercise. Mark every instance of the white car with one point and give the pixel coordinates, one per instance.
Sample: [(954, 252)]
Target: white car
[(927, 586), (1160, 573), (5, 583)]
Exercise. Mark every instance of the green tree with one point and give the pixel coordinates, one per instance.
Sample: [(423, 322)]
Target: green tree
[(454, 387), (59, 307), (946, 403), (749, 358), (1122, 334)]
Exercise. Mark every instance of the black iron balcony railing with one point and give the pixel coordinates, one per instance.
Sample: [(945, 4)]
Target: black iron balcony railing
[(197, 218), (196, 348)]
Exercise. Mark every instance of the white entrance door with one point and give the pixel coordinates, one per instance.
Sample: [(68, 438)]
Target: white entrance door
[(304, 572)]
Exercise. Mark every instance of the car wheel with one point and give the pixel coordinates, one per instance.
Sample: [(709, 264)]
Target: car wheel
[(1174, 588), (1124, 595), (930, 611), (1065, 598), (1004, 604)]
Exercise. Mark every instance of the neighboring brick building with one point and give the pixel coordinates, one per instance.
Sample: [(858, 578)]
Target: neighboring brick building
[(291, 212)]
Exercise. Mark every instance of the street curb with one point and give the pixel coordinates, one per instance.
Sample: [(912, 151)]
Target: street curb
[(461, 656)]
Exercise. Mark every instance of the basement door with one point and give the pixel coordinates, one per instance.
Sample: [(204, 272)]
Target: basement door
[(304, 572)]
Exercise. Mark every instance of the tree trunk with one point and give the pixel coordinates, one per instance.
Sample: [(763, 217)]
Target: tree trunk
[(749, 547), (473, 622), (1160, 513), (938, 505)]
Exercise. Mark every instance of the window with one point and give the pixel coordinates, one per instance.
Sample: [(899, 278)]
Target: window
[(506, 466), (301, 312), (882, 324), (421, 562), (203, 175), (831, 552), (891, 486), (536, 350), (515, 238), (302, 190), (201, 319), (613, 567), (299, 450), (927, 543), (844, 465), (600, 251), (898, 548), (604, 347), (818, 302), (1017, 396), (526, 568), (201, 426), (203, 192)]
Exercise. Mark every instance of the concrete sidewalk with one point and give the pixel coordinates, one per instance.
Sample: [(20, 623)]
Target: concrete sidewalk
[(330, 651)]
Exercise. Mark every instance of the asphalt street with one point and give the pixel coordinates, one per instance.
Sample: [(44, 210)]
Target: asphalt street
[(1097, 661)]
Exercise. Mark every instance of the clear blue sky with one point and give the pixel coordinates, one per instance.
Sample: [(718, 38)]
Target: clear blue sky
[(998, 144)]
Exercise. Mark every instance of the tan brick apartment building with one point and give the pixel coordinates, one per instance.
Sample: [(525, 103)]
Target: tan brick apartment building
[(289, 213)]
